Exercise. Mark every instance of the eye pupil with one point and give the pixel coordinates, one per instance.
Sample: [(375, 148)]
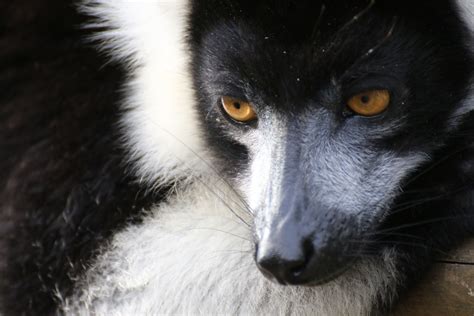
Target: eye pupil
[(370, 103), (237, 105)]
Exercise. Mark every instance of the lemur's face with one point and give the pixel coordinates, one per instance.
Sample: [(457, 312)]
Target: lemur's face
[(319, 111)]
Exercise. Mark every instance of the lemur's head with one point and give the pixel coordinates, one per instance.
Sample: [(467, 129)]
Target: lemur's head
[(315, 111)]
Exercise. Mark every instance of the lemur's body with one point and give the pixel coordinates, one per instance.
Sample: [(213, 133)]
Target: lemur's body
[(355, 206)]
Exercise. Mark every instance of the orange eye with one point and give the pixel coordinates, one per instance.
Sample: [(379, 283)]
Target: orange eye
[(370, 103), (238, 110)]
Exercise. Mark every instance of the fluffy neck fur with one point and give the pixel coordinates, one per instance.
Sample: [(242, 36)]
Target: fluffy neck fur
[(193, 256), (162, 133)]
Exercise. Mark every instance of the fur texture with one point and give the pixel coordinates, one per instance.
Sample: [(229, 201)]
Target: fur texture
[(466, 11), (141, 274), (149, 36), (150, 200), (64, 189)]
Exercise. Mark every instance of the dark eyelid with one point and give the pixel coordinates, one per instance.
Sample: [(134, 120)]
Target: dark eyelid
[(370, 83), (229, 90), (227, 84)]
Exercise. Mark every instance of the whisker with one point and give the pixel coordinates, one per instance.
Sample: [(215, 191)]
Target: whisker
[(235, 251), (224, 202), (418, 191), (358, 16), (233, 220), (373, 49), (354, 19), (406, 243), (239, 253), (361, 256), (221, 231), (315, 32), (246, 207), (241, 268), (208, 165), (418, 201), (396, 234), (434, 165), (410, 204), (390, 242), (384, 40), (421, 223)]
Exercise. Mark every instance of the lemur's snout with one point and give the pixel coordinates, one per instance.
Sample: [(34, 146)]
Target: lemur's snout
[(303, 238), (301, 245)]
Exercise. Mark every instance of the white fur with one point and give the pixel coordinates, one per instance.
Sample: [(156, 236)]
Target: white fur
[(467, 106), (466, 11), (191, 257), (149, 36)]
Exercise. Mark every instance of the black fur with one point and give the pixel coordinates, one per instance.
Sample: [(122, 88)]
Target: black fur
[(63, 188)]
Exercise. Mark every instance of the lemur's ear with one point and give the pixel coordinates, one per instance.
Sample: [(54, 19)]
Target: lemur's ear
[(161, 128)]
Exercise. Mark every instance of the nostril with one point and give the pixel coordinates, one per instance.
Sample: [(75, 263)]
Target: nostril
[(283, 270), (297, 268), (308, 252), (288, 266)]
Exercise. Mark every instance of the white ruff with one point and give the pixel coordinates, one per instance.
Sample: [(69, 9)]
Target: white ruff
[(161, 130), (466, 11), (193, 256)]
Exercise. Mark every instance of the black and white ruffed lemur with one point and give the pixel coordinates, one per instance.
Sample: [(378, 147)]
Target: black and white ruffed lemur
[(219, 157)]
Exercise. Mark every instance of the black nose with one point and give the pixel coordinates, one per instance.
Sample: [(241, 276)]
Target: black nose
[(287, 265)]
